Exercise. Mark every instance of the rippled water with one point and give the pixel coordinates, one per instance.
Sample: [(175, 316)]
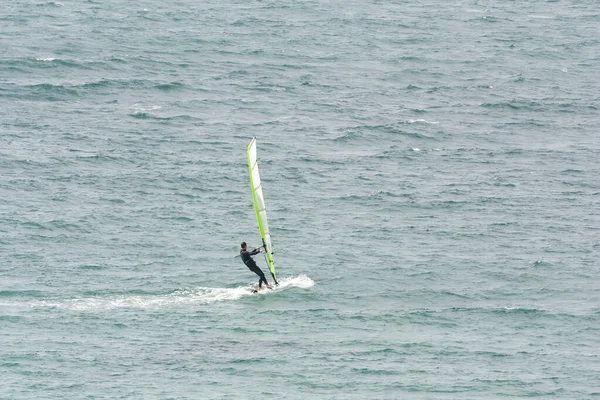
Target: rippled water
[(430, 172)]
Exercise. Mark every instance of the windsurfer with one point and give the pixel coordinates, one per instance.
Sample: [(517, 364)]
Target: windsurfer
[(247, 259)]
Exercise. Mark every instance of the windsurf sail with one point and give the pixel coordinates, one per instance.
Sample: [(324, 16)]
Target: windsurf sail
[(259, 206)]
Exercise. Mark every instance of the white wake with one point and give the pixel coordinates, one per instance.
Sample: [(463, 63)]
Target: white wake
[(198, 295)]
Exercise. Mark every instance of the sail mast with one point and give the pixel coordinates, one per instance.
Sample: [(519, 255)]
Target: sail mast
[(259, 205)]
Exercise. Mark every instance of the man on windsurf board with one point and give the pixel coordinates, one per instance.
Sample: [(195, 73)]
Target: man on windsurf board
[(247, 259)]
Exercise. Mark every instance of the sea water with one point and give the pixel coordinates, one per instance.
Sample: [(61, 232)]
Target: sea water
[(431, 175)]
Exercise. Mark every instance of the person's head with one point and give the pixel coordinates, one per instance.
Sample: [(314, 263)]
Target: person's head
[(243, 245)]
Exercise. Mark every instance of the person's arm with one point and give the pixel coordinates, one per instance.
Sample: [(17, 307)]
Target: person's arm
[(255, 251)]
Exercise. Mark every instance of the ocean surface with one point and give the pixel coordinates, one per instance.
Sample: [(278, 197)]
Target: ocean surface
[(431, 171)]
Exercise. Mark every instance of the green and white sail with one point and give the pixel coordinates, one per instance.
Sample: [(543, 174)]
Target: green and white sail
[(259, 205)]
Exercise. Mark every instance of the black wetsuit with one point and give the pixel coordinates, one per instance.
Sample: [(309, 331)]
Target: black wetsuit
[(247, 259)]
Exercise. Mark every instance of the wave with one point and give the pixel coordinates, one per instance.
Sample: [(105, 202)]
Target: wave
[(421, 121), (67, 91), (372, 371), (52, 89), (141, 107), (527, 105), (512, 309), (542, 16), (51, 4), (121, 84), (168, 87), (358, 132), (198, 295), (145, 115), (20, 293), (44, 62)]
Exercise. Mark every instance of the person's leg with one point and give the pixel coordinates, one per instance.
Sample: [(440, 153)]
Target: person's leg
[(261, 276), (265, 281), (262, 279)]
